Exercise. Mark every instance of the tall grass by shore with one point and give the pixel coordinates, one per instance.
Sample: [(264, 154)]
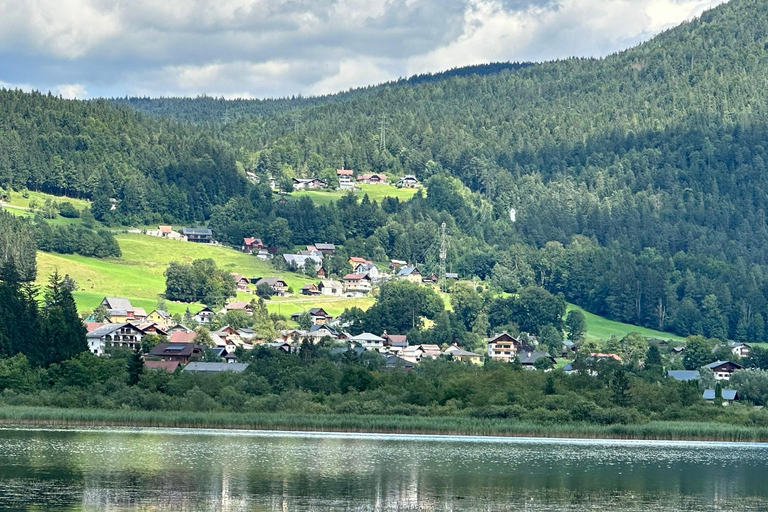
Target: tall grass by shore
[(45, 416)]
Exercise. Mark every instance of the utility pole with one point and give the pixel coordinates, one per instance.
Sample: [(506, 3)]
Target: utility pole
[(443, 254), (296, 118), (383, 133)]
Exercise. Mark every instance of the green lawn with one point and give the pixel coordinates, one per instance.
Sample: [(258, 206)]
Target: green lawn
[(600, 329), (138, 274), (17, 199), (375, 193)]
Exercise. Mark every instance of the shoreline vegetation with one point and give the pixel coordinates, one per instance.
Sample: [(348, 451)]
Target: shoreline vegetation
[(655, 430)]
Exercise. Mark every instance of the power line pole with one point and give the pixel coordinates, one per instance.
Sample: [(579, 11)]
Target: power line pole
[(443, 255), (383, 133), (296, 119)]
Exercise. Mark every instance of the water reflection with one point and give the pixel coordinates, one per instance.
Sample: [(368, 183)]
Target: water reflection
[(167, 469)]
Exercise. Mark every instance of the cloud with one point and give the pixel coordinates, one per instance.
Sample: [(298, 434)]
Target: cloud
[(267, 48)]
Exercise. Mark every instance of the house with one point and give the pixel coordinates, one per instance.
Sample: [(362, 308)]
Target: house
[(160, 317), (238, 305), (279, 287), (177, 328), (168, 366), (372, 179), (412, 353), (458, 354), (318, 316), (728, 395), (677, 350), (411, 274), (201, 367), (166, 232), (452, 276), (504, 347), (408, 182), (183, 337), (198, 235), (432, 351), (278, 345), (204, 316), (113, 335), (739, 349), (319, 331), (393, 361), (299, 261), (395, 340), (331, 288), (369, 341), (345, 179), (528, 359), (356, 260), (309, 183), (724, 369), (151, 328), (180, 352), (263, 254), (121, 310), (368, 269), (246, 334), (241, 282), (310, 289), (357, 284), (684, 375), (395, 264), (252, 244), (326, 248)]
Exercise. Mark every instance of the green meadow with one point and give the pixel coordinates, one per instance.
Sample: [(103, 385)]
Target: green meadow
[(600, 329), (375, 193)]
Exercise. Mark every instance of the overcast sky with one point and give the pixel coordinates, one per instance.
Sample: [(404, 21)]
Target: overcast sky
[(269, 48)]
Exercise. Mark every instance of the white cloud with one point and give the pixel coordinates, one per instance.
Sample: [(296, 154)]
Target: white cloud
[(281, 47), (71, 91)]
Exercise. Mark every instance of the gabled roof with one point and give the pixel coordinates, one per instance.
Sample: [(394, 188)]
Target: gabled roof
[(325, 247), (408, 271), (162, 313), (451, 275), (271, 281), (197, 231), (356, 277), (317, 311), (532, 357), (169, 366), (357, 259), (462, 353), (120, 303), (202, 367), (315, 329), (684, 375), (329, 283), (106, 329), (251, 241), (301, 259), (367, 337), (717, 364), (238, 304), (182, 337), (344, 172), (728, 394), (174, 349)]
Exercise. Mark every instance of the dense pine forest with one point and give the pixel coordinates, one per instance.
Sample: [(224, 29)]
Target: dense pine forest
[(639, 180)]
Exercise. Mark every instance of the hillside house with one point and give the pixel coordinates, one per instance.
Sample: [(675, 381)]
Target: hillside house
[(724, 369), (368, 341), (369, 269), (528, 359), (205, 315), (408, 181), (183, 337), (320, 331), (345, 179), (739, 349), (120, 310), (251, 245), (684, 375), (459, 354), (325, 248), (113, 335), (728, 396), (396, 264), (331, 288), (357, 284), (198, 235), (411, 274), (318, 316), (395, 340), (166, 232), (300, 261), (504, 347), (453, 276), (279, 287), (310, 289), (372, 179), (181, 352), (160, 317), (238, 305), (242, 282), (308, 184)]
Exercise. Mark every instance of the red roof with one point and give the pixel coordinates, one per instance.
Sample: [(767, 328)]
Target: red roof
[(356, 259), (92, 326), (344, 172), (600, 355), (182, 337), (169, 366), (355, 277)]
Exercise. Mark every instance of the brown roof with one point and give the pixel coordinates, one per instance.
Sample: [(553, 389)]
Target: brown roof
[(355, 277), (182, 337), (344, 172), (174, 349), (165, 229), (169, 366)]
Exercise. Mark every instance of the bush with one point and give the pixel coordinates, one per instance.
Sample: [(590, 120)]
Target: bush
[(67, 210)]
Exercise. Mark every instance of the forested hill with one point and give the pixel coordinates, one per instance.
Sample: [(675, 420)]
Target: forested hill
[(657, 153), (155, 169), (215, 111)]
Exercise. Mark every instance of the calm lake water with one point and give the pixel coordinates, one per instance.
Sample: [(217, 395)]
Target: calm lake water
[(177, 469)]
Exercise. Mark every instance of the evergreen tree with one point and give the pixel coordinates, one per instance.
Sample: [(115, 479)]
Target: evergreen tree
[(135, 367)]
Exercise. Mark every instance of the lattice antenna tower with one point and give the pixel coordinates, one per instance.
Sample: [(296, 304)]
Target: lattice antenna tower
[(443, 255)]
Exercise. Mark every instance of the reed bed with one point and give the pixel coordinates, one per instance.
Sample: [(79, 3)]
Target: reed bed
[(661, 430)]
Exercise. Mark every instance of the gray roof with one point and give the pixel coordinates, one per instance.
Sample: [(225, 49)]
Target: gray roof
[(106, 329), (326, 247), (532, 357), (568, 367), (685, 375), (461, 352), (728, 394), (451, 275), (197, 231), (714, 365), (367, 336), (407, 271), (301, 260), (215, 367), (117, 303)]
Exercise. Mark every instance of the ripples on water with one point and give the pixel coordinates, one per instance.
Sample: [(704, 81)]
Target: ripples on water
[(176, 469)]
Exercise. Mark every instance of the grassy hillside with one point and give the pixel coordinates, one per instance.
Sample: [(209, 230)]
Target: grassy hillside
[(600, 329), (138, 274), (375, 193)]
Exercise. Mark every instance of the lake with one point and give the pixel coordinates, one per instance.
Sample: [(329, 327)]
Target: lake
[(180, 469)]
